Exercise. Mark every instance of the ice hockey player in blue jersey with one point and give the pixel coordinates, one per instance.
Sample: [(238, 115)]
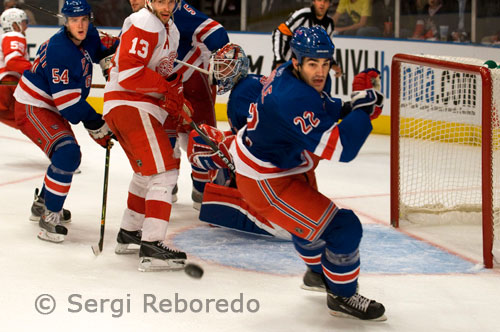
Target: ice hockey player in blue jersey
[(292, 126), (51, 96), (200, 35)]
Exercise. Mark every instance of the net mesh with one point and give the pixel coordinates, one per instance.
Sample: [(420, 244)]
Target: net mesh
[(440, 144)]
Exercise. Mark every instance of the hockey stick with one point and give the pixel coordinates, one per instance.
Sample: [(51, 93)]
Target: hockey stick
[(207, 140), (201, 70), (46, 11), (95, 86), (97, 249)]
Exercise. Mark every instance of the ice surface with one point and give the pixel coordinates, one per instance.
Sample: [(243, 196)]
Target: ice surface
[(423, 286)]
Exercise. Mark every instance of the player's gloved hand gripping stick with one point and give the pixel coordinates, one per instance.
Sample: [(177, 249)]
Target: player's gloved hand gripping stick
[(207, 140)]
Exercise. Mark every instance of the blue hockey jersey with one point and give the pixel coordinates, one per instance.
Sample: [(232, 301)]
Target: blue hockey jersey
[(244, 93), (200, 35), (291, 120), (61, 77)]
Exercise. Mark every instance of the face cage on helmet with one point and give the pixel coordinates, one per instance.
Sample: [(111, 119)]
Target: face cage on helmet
[(226, 73)]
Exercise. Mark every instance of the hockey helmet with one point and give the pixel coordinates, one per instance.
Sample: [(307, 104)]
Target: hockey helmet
[(149, 5), (75, 8), (312, 42), (11, 16), (227, 66)]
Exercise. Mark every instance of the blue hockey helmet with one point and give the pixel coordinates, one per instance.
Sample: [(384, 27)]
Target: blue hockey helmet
[(227, 66), (312, 42), (74, 8)]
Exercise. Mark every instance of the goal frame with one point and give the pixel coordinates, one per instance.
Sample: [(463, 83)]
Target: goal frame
[(486, 140)]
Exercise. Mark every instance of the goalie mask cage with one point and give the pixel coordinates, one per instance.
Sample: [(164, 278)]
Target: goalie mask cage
[(445, 144)]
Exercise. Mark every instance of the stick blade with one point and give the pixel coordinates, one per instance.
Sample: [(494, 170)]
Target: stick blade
[(96, 250)]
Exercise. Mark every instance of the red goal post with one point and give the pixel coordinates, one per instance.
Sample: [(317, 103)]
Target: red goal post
[(444, 143)]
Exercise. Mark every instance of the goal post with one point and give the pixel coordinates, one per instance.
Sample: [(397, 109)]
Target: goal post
[(445, 143)]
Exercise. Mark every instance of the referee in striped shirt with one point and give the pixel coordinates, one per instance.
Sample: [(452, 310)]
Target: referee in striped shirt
[(305, 17)]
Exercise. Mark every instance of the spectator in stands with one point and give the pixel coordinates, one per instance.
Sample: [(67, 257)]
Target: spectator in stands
[(353, 17), (435, 24), (7, 4)]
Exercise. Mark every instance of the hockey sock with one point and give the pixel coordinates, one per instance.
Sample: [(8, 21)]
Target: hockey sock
[(340, 260), (341, 272), (310, 252), (65, 160)]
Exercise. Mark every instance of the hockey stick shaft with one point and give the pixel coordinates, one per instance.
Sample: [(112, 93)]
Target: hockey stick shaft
[(207, 140), (98, 249), (95, 86), (201, 70), (46, 11)]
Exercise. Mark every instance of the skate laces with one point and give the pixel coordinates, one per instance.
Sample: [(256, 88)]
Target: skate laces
[(51, 217), (359, 302), (164, 246)]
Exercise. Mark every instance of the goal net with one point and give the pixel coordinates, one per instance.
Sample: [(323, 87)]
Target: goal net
[(445, 144)]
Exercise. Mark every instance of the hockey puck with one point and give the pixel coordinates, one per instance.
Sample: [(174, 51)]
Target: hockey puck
[(194, 271)]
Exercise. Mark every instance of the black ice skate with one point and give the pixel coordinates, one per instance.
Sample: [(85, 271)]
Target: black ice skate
[(356, 306), (128, 242), (51, 228), (156, 256), (38, 208), (313, 281)]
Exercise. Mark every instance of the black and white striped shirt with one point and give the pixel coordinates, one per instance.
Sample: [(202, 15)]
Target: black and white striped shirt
[(304, 17)]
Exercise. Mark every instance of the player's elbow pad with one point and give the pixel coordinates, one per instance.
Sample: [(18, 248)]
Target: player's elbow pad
[(81, 111), (353, 131)]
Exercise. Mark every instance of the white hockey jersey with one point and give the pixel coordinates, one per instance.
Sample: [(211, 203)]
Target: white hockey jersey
[(144, 58)]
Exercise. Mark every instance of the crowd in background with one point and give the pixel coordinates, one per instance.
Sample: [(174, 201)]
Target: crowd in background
[(444, 20)]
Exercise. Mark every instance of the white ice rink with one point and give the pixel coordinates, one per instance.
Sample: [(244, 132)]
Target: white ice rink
[(107, 293)]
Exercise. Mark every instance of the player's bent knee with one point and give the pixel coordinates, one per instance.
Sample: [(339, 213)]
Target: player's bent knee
[(344, 232), (66, 156)]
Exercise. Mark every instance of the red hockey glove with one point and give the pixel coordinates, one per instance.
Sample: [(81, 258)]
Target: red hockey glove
[(366, 92), (201, 154), (184, 117), (101, 135), (367, 79), (108, 40), (174, 96)]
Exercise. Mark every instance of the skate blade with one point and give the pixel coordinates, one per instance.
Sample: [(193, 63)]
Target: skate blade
[(50, 237), (346, 315), (313, 288), (124, 249), (148, 264), (197, 206), (174, 198)]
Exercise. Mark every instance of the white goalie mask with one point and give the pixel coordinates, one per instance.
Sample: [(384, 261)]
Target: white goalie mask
[(149, 5), (11, 16), (227, 66)]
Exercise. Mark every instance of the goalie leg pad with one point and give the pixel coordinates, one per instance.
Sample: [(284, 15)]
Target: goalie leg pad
[(225, 207)]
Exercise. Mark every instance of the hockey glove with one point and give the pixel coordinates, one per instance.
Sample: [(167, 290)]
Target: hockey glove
[(102, 135), (366, 93), (174, 96), (109, 41), (201, 154), (105, 64), (367, 79), (184, 118)]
